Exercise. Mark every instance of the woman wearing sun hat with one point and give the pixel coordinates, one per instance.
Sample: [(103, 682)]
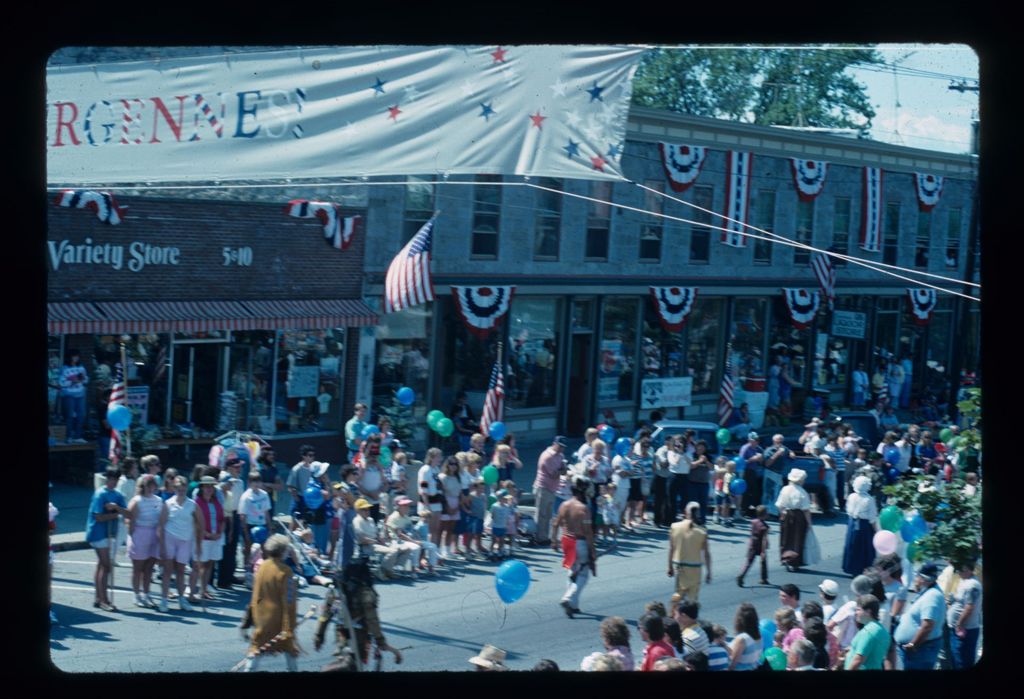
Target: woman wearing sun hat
[(794, 506), (859, 551)]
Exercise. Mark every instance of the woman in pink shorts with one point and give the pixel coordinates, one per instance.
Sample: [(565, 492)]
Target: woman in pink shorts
[(144, 536), (182, 527)]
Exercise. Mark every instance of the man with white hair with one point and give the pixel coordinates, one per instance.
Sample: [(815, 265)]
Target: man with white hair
[(687, 543)]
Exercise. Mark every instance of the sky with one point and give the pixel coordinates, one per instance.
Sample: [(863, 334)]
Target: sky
[(929, 115)]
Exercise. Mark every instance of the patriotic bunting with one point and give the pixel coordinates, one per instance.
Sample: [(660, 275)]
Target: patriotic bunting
[(802, 305), (408, 281), (673, 304), (871, 210), (102, 204), (809, 177), (929, 189), (825, 271), (482, 307), (922, 303), (338, 230), (682, 164), (737, 198)]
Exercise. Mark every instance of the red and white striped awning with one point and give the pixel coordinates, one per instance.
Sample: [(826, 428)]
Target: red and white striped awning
[(114, 317)]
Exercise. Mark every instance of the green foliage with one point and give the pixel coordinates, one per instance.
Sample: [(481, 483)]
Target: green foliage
[(954, 518), (401, 419), (792, 87), (969, 443)]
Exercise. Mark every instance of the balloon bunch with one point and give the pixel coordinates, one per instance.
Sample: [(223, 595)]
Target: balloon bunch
[(439, 423)]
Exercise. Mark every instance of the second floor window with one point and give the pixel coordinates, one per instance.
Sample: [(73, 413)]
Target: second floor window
[(923, 238), (652, 226), (841, 230), (953, 239), (804, 231), (764, 219), (700, 237), (599, 221), (419, 206), (548, 220), (486, 216), (891, 233)]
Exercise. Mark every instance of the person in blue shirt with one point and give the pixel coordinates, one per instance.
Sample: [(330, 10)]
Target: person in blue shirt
[(918, 636), (101, 530), (926, 453)]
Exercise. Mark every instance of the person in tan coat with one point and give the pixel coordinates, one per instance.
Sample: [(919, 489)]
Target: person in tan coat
[(688, 544), (273, 607)]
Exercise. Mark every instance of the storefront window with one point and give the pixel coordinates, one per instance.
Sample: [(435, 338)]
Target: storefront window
[(309, 380), (787, 350), (618, 350), (251, 379), (886, 327), (704, 354), (747, 335), (466, 359), (403, 359), (937, 353), (830, 359), (148, 358), (661, 351), (533, 352)]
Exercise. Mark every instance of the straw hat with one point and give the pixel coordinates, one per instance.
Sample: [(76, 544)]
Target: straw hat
[(490, 657)]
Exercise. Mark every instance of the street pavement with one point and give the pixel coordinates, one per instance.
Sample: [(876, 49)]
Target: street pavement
[(439, 621)]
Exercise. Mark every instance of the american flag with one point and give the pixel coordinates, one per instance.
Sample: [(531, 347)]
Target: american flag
[(408, 280), (725, 404), (494, 401), (118, 393), (825, 271)]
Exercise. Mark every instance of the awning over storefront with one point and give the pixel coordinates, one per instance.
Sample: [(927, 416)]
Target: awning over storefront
[(199, 316)]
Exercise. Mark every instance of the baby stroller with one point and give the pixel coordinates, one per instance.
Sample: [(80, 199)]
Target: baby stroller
[(308, 568)]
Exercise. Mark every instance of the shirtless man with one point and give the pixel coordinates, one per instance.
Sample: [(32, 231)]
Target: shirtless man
[(578, 553)]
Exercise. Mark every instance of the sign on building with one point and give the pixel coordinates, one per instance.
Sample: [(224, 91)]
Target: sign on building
[(849, 324), (666, 393)]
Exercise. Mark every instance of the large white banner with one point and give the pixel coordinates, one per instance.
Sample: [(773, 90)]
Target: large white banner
[(555, 111)]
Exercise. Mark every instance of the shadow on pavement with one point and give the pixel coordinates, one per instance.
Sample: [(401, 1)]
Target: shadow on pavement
[(407, 632)]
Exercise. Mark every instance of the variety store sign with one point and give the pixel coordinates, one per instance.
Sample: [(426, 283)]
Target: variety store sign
[(136, 256)]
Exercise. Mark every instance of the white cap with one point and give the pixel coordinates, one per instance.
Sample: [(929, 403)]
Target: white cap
[(829, 587)]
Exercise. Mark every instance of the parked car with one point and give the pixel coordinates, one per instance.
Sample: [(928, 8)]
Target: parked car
[(704, 430), (866, 427)]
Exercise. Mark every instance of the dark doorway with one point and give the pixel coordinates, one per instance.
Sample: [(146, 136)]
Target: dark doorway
[(580, 372), (196, 383)]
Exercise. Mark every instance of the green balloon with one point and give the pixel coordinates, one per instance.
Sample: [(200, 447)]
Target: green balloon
[(776, 658), (491, 500), (385, 456), (946, 435), (891, 518), (445, 427), (490, 474), (723, 436), (433, 417), (913, 551)]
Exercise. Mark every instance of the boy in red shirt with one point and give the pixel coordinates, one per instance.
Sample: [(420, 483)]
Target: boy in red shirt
[(757, 545), (652, 631)]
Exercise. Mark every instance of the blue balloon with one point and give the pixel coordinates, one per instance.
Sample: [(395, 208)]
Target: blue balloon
[(768, 629), (892, 455), (512, 579), (370, 429), (258, 534), (313, 496), (913, 528), (406, 395), (892, 475), (622, 446), (607, 434), (119, 417), (497, 430), (738, 487), (741, 464)]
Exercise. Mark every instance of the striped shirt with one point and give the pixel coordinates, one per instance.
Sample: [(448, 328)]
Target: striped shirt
[(718, 657), (751, 656), (694, 640)]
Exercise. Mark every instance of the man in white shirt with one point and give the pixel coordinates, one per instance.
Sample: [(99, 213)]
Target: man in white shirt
[(232, 487), (253, 511), (399, 526), (370, 540), (299, 477)]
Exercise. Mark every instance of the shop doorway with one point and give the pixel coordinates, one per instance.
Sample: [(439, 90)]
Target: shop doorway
[(580, 378), (196, 384)]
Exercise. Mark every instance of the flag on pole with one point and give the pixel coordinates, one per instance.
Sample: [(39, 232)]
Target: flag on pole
[(408, 280), (118, 393), (725, 396), (825, 271), (494, 400)]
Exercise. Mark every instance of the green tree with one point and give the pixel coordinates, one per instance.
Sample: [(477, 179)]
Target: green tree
[(790, 87)]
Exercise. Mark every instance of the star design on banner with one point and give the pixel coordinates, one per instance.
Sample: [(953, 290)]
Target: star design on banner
[(572, 119), (614, 150), (595, 92), (411, 93), (486, 111), (394, 112), (468, 88), (598, 162), (378, 87), (572, 149), (499, 55), (558, 88), (537, 118)]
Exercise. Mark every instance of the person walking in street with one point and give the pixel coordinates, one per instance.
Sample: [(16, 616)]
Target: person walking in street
[(273, 605), (964, 617), (182, 535), (73, 379), (794, 506), (550, 466), (579, 555), (859, 551), (688, 543), (918, 635), (101, 532), (757, 545)]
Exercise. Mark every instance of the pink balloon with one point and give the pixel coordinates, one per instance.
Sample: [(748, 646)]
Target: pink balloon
[(215, 451), (885, 542)]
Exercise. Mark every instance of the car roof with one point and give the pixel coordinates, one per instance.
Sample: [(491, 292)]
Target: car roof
[(685, 425)]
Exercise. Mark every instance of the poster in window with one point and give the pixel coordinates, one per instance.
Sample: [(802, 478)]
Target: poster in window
[(138, 400), (329, 368), (303, 381)]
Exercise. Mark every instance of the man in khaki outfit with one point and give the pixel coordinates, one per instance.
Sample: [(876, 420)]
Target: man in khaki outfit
[(688, 541)]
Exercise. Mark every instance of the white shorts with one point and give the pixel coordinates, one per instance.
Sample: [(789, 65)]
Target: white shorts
[(211, 550), (102, 543), (178, 550)]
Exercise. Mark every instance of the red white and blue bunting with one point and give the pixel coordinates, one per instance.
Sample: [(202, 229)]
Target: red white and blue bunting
[(102, 204), (929, 189), (922, 303), (673, 304), (871, 210), (338, 231), (737, 197), (802, 305), (809, 177), (682, 164), (482, 307)]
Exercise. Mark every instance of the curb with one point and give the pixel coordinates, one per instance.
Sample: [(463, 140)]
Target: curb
[(71, 546)]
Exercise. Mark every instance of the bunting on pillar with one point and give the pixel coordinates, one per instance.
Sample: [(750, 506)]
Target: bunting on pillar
[(922, 303), (682, 164), (737, 197), (802, 305), (929, 189), (871, 210), (809, 177), (673, 304), (482, 307)]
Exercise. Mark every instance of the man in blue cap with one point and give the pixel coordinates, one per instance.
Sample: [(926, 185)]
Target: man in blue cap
[(919, 634)]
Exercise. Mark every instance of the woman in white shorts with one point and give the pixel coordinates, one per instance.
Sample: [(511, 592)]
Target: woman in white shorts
[(212, 547), (144, 537), (183, 528), (430, 494)]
